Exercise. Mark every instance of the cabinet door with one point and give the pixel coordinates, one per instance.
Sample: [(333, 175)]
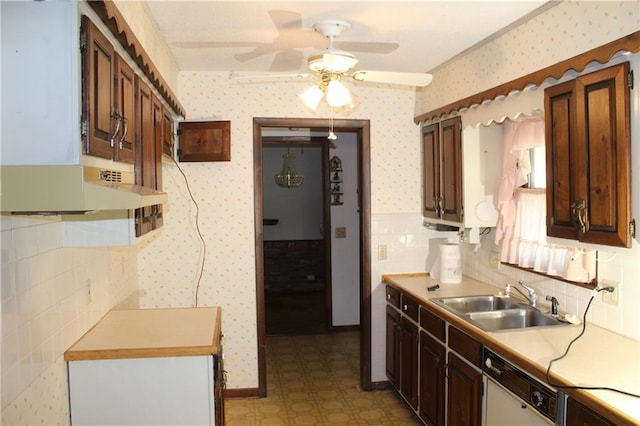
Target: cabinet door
[(588, 147), (158, 137), (451, 175), (392, 363), (167, 133), (125, 106), (146, 158), (602, 98), (431, 170), (432, 380), (98, 59), (464, 393), (409, 362), (578, 414), (560, 151)]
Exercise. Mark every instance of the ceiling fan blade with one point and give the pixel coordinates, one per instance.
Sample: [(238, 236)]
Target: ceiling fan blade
[(248, 77), (215, 44), (391, 77), (366, 46), (285, 19), (286, 60)]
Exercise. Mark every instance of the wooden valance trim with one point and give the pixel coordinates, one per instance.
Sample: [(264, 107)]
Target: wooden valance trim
[(601, 54), (115, 22)]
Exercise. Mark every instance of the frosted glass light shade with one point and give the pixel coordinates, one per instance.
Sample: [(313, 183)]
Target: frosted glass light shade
[(337, 94), (312, 97)]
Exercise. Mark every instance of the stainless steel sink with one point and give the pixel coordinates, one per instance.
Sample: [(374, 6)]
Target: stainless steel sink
[(486, 303), (493, 313), (512, 318)]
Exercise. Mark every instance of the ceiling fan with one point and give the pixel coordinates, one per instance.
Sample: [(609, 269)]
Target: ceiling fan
[(334, 65), (334, 61)]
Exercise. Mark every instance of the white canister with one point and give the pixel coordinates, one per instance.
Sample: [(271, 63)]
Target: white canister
[(450, 264)]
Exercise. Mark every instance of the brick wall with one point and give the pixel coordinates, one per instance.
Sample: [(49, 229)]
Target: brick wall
[(296, 265)]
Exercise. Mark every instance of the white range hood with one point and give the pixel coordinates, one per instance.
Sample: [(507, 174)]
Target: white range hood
[(64, 189)]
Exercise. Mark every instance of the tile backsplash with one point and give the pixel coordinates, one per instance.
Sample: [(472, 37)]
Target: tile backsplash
[(51, 295)]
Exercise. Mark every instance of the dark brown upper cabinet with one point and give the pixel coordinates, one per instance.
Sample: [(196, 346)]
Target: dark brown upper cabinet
[(167, 133), (124, 111), (98, 63), (148, 161), (204, 141), (588, 148), (442, 170), (108, 98)]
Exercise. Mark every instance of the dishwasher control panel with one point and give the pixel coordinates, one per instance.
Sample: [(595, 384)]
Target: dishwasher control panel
[(530, 390)]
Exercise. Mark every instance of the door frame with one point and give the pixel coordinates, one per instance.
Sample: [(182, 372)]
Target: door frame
[(362, 130)]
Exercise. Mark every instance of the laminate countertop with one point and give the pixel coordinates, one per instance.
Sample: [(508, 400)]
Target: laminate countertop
[(600, 358), (150, 333)]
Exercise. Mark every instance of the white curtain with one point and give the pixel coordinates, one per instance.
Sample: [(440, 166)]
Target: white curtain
[(519, 138), (522, 230)]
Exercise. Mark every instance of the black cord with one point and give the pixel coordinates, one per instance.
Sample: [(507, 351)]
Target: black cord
[(204, 244), (584, 327)]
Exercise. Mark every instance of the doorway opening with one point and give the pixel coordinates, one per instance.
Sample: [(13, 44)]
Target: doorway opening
[(360, 128), (297, 250)]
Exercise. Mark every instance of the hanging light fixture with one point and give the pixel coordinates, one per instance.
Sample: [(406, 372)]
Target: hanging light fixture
[(289, 176), (332, 90)]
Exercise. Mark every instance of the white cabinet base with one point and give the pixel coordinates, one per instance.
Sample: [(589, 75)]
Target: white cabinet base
[(142, 391)]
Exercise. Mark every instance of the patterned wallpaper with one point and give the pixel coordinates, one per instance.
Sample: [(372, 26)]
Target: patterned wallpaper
[(224, 191), (559, 33)]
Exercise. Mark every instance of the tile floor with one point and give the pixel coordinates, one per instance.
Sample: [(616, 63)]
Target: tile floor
[(313, 380)]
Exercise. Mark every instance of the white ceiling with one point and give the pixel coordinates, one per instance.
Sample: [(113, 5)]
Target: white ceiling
[(263, 36)]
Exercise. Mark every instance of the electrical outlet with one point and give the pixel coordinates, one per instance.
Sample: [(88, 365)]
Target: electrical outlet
[(494, 260), (382, 252), (610, 298)]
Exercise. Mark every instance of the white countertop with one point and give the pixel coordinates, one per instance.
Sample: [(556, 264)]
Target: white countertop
[(600, 358)]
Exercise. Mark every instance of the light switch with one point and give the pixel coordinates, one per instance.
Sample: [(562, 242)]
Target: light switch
[(341, 232), (382, 252)]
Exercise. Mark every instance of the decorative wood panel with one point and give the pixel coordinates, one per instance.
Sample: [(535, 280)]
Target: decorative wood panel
[(204, 141)]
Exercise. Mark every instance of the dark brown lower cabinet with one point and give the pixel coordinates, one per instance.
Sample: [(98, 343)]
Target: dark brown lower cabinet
[(578, 414), (432, 380), (392, 364), (409, 362), (464, 395)]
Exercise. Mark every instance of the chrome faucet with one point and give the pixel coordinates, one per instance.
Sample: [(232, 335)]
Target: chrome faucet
[(532, 297)]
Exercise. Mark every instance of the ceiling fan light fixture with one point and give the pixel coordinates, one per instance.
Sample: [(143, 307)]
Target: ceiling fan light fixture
[(312, 97), (337, 94), (335, 61)]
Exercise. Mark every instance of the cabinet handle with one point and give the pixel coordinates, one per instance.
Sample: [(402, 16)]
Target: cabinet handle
[(405, 307), (388, 297), (579, 211), (124, 132), (112, 139)]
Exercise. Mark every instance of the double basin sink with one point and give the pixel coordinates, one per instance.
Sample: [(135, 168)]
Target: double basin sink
[(495, 313)]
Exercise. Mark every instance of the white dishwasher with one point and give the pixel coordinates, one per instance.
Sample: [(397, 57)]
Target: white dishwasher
[(514, 398)]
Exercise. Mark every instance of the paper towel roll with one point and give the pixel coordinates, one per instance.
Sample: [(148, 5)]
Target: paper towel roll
[(450, 264)]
